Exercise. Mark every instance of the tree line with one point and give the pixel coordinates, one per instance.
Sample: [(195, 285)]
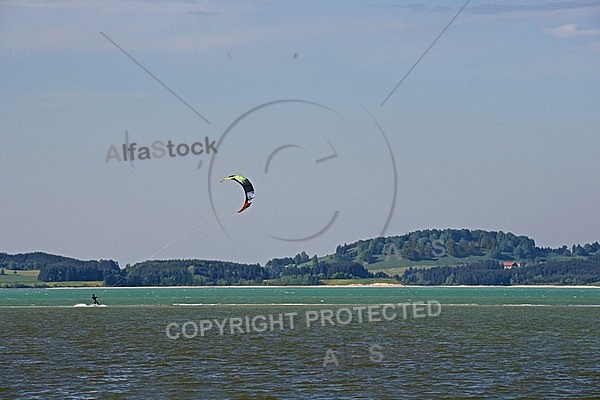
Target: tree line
[(491, 272), (78, 270), (29, 261), (289, 271)]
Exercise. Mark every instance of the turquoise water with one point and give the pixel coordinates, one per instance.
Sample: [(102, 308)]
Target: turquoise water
[(503, 343), (301, 295)]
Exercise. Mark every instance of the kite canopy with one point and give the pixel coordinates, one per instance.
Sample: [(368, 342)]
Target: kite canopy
[(248, 189)]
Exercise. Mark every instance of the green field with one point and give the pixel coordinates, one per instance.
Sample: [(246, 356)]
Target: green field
[(393, 262), (28, 278), (16, 276)]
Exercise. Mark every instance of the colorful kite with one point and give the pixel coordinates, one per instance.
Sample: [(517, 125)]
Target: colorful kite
[(248, 189)]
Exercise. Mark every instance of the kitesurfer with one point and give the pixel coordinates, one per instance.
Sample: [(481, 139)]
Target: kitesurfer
[(95, 299)]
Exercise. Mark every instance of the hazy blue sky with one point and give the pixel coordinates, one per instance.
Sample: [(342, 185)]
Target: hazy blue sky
[(496, 128)]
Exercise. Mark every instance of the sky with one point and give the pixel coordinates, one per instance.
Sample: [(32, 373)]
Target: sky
[(496, 125)]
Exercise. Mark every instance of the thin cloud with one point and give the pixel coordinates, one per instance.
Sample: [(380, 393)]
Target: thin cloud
[(593, 46), (200, 13), (398, 27), (530, 8), (571, 30), (515, 8), (413, 7)]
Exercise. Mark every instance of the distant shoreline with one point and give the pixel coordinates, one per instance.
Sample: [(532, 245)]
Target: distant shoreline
[(353, 285)]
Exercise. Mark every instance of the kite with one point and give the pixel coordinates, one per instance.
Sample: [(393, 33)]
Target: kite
[(248, 189)]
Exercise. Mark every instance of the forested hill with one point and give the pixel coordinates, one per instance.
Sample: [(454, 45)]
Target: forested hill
[(27, 261), (53, 268), (464, 257), (456, 246)]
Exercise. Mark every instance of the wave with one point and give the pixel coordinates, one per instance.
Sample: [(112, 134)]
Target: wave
[(89, 305)]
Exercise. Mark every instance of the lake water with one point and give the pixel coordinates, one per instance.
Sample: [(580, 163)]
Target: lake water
[(156, 343)]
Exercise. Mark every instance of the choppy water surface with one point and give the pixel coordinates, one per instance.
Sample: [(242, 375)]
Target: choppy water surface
[(468, 351)]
